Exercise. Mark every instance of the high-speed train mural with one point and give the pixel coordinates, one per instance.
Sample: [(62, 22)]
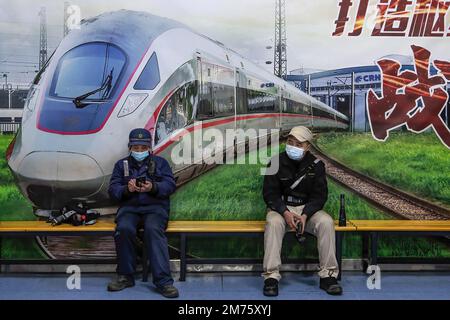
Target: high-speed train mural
[(126, 69)]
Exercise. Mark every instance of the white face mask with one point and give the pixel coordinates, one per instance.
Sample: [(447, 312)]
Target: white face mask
[(294, 153)]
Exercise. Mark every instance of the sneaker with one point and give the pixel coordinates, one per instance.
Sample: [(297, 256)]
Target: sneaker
[(169, 291), (120, 283), (331, 286), (270, 287)]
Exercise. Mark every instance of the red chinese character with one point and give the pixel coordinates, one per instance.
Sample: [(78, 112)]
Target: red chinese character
[(435, 26), (343, 17), (360, 18), (392, 18), (414, 99), (429, 18)]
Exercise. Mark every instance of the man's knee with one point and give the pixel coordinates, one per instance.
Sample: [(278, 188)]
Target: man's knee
[(125, 229), (155, 224), (126, 225), (154, 230), (274, 220), (325, 222)]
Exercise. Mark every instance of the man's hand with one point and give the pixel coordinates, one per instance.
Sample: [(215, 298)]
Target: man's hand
[(302, 219), (146, 187), (132, 185), (290, 219)]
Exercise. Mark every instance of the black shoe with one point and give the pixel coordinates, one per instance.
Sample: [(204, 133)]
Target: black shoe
[(169, 291), (331, 286), (270, 287), (121, 283)]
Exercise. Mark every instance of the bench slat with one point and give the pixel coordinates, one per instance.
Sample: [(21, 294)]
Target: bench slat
[(173, 227), (401, 225), (42, 226)]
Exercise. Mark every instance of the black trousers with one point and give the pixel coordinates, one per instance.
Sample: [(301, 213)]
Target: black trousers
[(154, 219)]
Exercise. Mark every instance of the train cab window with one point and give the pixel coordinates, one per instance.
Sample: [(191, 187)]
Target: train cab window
[(149, 78), (177, 112), (86, 68)]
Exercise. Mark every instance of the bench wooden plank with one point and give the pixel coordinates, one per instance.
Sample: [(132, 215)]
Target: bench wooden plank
[(42, 226), (228, 226), (173, 227), (402, 225)]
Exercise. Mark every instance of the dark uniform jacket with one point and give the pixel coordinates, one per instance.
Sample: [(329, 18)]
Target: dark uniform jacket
[(162, 180), (312, 190)]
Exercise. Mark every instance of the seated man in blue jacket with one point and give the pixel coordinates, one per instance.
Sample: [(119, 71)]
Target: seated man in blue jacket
[(142, 184)]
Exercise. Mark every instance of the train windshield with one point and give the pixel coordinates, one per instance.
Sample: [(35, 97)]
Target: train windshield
[(85, 68)]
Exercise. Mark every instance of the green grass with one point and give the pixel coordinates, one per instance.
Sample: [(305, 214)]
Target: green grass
[(416, 163), (13, 206), (233, 192), (229, 192)]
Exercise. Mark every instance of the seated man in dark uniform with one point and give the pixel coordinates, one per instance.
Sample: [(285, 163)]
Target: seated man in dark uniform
[(142, 184), (295, 197)]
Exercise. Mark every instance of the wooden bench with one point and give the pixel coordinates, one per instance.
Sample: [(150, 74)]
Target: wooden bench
[(184, 229), (375, 228), (232, 228)]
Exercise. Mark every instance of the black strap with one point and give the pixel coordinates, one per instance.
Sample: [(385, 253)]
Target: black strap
[(151, 165), (301, 174)]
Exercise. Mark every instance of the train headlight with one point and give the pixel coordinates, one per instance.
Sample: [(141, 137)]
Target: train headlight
[(132, 102)]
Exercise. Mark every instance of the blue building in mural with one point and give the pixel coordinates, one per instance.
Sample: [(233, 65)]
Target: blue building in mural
[(334, 88)]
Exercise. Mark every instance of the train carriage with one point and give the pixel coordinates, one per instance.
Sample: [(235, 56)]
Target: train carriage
[(126, 69)]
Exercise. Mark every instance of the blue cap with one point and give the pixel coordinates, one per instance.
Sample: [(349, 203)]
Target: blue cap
[(140, 137)]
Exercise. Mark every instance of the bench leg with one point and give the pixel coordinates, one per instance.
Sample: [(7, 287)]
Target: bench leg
[(373, 248), (183, 249), (144, 263), (365, 250), (339, 238)]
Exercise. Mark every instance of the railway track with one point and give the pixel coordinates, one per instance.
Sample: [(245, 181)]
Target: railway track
[(388, 199)]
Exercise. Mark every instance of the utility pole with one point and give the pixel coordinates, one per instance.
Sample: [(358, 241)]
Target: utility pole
[(352, 104), (43, 39), (280, 57)]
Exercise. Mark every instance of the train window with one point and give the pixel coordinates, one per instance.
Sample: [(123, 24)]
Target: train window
[(323, 114), (177, 112), (85, 68), (297, 108), (149, 78), (205, 108), (259, 102), (223, 100)]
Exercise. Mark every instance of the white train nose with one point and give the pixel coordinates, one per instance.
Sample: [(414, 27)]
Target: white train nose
[(52, 179)]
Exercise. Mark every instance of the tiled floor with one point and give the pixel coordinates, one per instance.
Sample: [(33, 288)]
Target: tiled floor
[(235, 286)]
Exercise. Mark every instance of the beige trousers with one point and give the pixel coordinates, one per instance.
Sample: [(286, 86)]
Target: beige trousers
[(320, 225)]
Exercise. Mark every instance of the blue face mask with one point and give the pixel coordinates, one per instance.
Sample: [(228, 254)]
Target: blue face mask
[(294, 153), (139, 156)]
